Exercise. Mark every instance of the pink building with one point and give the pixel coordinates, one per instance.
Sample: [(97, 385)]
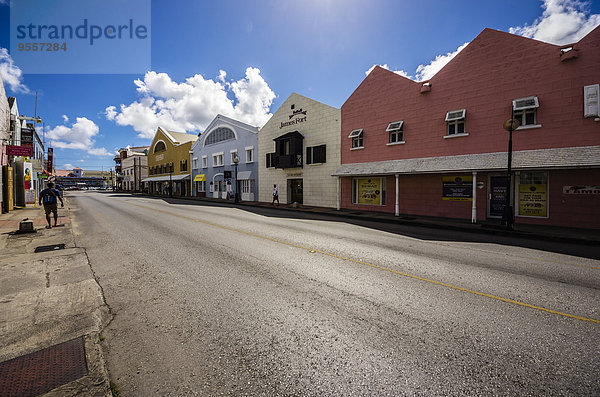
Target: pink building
[(438, 148)]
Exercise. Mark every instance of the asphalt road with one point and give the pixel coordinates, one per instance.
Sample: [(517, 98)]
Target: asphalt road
[(218, 300)]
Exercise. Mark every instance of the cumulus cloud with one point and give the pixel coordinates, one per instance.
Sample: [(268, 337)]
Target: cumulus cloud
[(65, 118), (77, 136), (562, 22), (385, 66), (190, 105), (425, 72), (11, 74), (68, 166)]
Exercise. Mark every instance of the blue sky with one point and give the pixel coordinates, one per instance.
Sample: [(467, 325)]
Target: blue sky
[(244, 58)]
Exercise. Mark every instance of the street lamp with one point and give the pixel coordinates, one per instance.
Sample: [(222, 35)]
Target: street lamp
[(509, 125), (236, 160)]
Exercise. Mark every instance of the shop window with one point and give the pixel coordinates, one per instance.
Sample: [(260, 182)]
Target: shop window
[(369, 191), (316, 154), (357, 138), (532, 194), (455, 122), (525, 110), (396, 131)]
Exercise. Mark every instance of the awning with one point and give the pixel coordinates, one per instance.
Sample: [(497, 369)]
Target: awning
[(200, 178), (244, 175), (166, 178)]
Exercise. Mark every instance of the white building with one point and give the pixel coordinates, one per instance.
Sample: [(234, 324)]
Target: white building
[(299, 150)]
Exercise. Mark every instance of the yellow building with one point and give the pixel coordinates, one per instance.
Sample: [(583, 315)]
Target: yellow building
[(168, 163)]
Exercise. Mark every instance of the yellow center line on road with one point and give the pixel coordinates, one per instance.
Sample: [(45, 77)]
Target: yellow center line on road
[(412, 276)]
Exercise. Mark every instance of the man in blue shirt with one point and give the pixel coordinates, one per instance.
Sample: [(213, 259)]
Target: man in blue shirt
[(49, 197)]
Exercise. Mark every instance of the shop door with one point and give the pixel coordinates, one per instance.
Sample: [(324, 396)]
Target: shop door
[(497, 196), (294, 191)]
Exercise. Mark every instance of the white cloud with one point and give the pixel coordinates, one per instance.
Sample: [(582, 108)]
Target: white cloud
[(78, 136), (68, 166), (425, 72), (65, 118), (189, 106), (385, 66), (10, 73), (562, 22)]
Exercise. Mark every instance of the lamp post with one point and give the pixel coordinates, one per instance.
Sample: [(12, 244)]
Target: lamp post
[(236, 160), (170, 182), (509, 125)]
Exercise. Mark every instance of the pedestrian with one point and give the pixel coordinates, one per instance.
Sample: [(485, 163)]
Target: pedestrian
[(49, 197), (275, 195)]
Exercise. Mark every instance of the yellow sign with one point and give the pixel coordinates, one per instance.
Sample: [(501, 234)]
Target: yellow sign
[(369, 191), (200, 178), (457, 188), (533, 200)]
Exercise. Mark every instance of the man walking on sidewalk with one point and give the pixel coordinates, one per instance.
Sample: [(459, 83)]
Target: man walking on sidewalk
[(50, 196)]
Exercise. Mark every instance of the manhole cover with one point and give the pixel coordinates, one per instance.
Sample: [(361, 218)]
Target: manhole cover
[(45, 248), (44, 370)]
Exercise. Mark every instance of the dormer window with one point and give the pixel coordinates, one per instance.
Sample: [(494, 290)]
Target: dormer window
[(357, 138), (395, 129), (455, 122), (525, 110)]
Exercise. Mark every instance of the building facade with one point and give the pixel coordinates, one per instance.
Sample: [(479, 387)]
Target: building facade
[(215, 171), (438, 148), (299, 150), (168, 163), (134, 168), (4, 141)]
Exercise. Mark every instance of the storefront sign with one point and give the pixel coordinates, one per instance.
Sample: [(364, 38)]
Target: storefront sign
[(37, 165), (27, 175), (26, 136), (26, 151), (298, 116), (585, 190), (457, 188), (159, 157), (369, 191), (533, 200), (200, 178), (49, 166), (30, 196)]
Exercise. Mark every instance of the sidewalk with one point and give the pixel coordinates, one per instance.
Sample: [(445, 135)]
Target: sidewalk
[(51, 311), (540, 232)]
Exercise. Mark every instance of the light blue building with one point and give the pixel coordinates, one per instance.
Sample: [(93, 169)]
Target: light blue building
[(225, 143)]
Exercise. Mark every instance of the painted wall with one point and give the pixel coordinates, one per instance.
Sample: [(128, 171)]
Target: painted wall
[(246, 136), (494, 69), (321, 126)]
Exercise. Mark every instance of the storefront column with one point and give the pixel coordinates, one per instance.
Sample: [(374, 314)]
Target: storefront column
[(474, 207), (397, 205), (339, 188)]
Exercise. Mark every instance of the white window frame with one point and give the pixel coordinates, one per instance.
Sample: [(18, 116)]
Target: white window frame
[(204, 161), (455, 118), (195, 163), (218, 159), (591, 100), (357, 139), (396, 131), (523, 110), (232, 152), (249, 154)]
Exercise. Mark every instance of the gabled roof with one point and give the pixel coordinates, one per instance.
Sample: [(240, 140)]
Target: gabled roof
[(219, 119), (176, 138)]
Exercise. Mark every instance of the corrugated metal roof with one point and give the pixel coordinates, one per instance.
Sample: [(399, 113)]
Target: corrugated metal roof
[(574, 157)]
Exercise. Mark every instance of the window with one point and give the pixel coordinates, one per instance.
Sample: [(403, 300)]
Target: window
[(204, 162), (249, 154), (525, 110), (368, 191), (195, 163), (270, 161), (357, 138), (219, 135), (316, 154), (201, 186), (455, 122), (288, 150), (160, 147), (591, 107), (183, 166), (396, 131), (218, 159), (233, 154), (247, 186)]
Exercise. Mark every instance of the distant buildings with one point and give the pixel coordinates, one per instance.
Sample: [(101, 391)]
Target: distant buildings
[(132, 168)]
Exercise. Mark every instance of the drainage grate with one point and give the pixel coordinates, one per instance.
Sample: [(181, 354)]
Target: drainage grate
[(45, 248), (42, 371)]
